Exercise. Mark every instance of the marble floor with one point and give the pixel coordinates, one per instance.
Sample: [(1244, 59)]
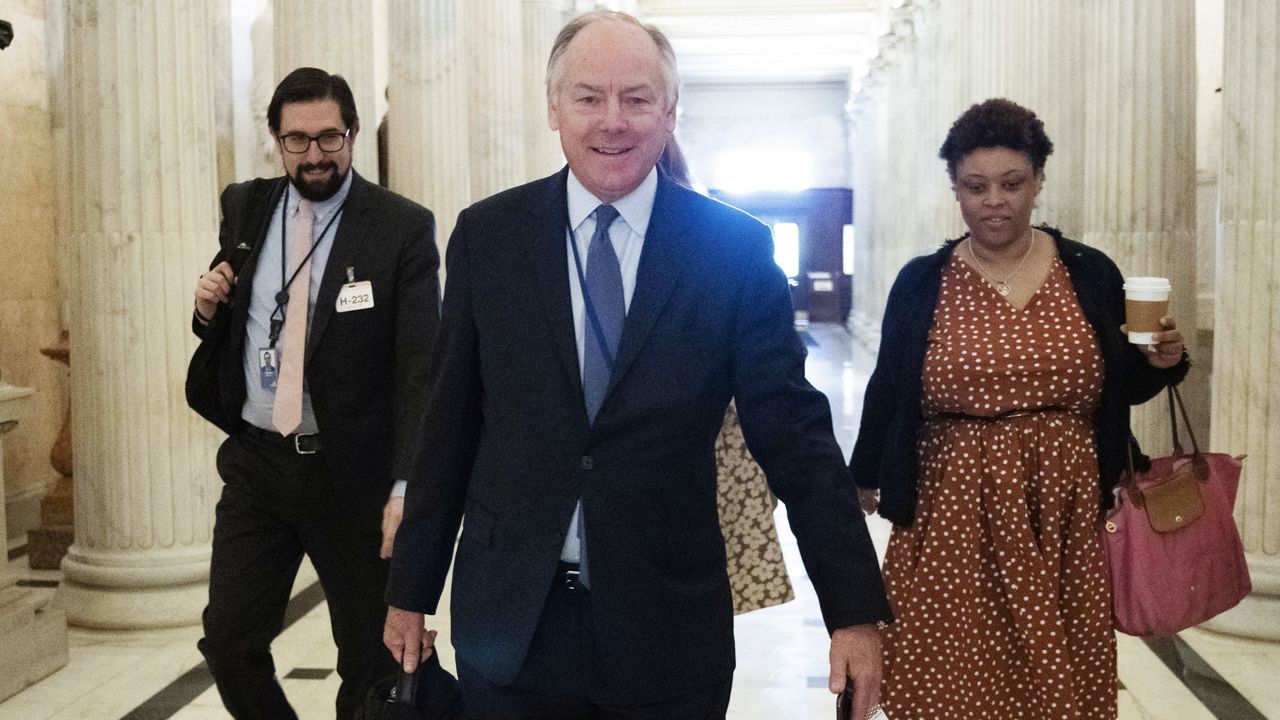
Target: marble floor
[(151, 675)]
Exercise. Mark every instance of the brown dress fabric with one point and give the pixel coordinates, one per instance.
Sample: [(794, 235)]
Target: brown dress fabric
[(999, 587), (757, 574)]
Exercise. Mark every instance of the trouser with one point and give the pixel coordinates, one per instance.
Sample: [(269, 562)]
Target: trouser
[(276, 506), (561, 678)]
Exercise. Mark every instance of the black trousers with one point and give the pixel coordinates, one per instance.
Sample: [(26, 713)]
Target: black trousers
[(561, 677), (276, 506)]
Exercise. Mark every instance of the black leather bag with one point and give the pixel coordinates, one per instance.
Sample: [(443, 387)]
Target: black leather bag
[(428, 693), (204, 386)]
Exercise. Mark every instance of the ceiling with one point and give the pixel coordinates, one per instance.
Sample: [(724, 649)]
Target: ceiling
[(720, 42)]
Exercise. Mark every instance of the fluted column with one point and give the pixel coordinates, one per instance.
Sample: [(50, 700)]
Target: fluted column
[(142, 219), (1246, 369), (1140, 169), (494, 32), (542, 20), (429, 134), (336, 36)]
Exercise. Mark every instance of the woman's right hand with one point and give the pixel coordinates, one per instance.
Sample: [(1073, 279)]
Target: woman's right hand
[(869, 499)]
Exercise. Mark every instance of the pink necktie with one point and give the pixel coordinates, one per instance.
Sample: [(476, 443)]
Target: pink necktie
[(287, 411)]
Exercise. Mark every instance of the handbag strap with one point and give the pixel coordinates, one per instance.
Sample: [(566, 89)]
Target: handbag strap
[(1200, 463)]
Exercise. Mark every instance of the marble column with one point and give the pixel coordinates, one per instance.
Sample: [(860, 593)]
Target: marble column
[(1246, 362), (429, 135), (542, 21), (1140, 168), (336, 36), (495, 83), (142, 222), (33, 635)]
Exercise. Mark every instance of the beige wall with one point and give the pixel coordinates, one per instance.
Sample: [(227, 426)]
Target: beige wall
[(30, 310)]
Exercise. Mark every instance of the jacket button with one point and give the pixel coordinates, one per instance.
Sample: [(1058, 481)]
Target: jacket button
[(587, 463)]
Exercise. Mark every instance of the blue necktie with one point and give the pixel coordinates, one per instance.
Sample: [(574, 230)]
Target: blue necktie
[(606, 310)]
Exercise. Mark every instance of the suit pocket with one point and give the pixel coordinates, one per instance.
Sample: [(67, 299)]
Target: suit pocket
[(478, 525)]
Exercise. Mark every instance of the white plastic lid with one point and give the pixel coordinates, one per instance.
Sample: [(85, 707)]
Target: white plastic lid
[(1150, 284)]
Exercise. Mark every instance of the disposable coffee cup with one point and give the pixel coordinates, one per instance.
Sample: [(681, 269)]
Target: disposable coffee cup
[(1146, 300)]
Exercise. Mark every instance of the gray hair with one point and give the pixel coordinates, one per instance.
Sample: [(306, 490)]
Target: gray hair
[(667, 55)]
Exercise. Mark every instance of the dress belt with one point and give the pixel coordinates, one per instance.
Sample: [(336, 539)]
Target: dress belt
[(302, 444), (1007, 415)]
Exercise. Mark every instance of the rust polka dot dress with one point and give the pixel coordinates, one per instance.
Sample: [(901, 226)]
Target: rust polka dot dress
[(999, 587)]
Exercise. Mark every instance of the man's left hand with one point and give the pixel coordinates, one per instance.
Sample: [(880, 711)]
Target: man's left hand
[(391, 515), (855, 655)]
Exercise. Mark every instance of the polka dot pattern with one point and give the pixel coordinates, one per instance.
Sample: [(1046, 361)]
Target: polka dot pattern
[(999, 586)]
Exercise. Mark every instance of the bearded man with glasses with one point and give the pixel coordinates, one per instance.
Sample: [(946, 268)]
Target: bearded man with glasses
[(316, 318)]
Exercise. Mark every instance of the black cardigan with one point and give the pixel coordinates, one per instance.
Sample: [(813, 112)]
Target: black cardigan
[(886, 454)]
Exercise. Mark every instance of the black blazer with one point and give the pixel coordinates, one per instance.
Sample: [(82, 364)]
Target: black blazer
[(366, 370), (886, 454), (508, 445)]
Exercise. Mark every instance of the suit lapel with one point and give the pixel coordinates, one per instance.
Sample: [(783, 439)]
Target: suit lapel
[(547, 256), (664, 256), (352, 230)]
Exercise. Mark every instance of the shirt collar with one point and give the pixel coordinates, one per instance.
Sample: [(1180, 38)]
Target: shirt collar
[(321, 210), (635, 208)]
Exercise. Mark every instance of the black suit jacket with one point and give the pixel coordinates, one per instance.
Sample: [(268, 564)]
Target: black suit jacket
[(366, 370), (887, 454), (508, 444)]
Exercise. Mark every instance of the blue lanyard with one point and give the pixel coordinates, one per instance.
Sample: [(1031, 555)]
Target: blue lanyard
[(586, 300)]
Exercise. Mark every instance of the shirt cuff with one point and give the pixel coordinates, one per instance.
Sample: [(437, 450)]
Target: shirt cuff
[(397, 490)]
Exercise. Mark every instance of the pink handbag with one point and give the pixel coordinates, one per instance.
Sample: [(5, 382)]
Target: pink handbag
[(1172, 547)]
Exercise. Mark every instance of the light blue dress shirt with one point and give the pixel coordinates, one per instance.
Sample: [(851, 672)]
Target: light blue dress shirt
[(627, 236), (258, 401)]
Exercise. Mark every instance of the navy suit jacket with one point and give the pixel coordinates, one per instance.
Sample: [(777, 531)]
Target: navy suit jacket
[(507, 444)]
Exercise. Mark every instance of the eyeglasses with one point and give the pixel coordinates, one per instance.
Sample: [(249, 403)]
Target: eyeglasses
[(298, 143)]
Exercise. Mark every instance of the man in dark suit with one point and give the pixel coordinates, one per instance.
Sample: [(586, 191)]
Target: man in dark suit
[(595, 326), (321, 383)]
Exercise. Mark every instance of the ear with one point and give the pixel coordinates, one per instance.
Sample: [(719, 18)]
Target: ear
[(553, 114)]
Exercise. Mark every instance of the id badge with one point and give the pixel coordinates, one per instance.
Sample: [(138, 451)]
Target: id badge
[(268, 367), (355, 296)]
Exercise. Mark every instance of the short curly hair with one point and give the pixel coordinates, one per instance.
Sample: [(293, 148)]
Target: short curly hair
[(996, 123)]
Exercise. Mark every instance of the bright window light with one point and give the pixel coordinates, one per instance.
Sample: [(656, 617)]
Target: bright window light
[(786, 247), (761, 169), (848, 250)]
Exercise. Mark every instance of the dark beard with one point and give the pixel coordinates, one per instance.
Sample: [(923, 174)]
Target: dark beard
[(318, 191)]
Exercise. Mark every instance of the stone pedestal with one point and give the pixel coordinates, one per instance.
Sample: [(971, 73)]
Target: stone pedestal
[(48, 544), (33, 636)]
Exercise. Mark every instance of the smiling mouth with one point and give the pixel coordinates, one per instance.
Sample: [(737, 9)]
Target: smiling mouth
[(611, 152)]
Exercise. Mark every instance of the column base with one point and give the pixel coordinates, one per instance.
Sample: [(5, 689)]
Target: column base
[(1257, 616), (33, 640), (134, 590)]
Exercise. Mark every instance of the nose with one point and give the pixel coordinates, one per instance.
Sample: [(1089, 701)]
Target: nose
[(992, 197), (614, 118), (313, 154)]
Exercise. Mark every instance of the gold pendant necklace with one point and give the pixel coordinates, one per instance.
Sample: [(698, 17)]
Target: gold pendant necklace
[(1001, 286)]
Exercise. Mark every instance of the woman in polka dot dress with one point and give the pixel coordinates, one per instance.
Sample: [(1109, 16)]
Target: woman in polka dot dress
[(993, 430)]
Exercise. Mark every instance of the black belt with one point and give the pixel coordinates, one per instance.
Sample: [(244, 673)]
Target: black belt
[(569, 577), (302, 444)]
